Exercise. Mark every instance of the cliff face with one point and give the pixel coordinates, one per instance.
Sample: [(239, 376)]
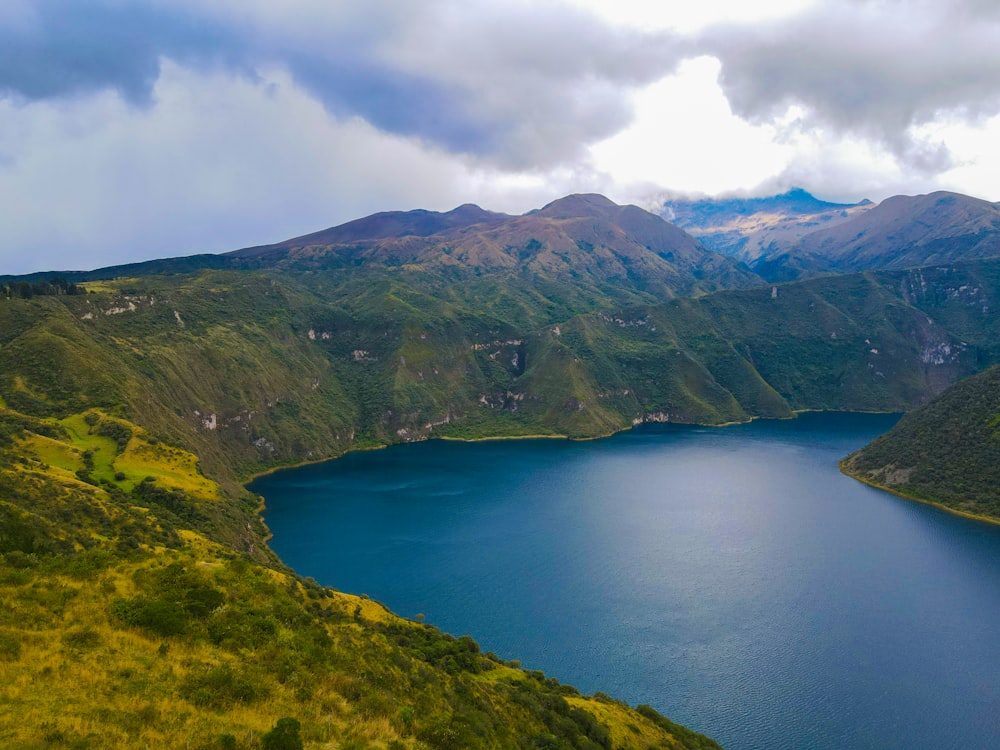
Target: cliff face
[(254, 369)]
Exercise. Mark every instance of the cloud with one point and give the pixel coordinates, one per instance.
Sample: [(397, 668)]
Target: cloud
[(514, 84), (143, 128), (866, 69), (215, 162)]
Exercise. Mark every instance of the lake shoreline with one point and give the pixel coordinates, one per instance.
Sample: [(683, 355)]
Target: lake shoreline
[(993, 521), (463, 534), (550, 436)]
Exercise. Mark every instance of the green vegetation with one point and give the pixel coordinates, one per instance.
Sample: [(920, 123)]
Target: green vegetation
[(125, 622), (140, 601), (141, 604), (26, 290), (947, 452)]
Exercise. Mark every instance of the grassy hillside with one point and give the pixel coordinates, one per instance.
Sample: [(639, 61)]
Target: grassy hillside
[(947, 452), (250, 370), (130, 619), (141, 603)]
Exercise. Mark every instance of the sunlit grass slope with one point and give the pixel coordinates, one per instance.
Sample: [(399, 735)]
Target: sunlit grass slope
[(125, 623)]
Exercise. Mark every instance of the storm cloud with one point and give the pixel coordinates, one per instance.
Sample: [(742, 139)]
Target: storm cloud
[(513, 84)]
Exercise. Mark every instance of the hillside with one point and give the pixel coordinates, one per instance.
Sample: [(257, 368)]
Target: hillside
[(581, 252), (747, 228), (255, 369), (900, 232), (947, 452), (583, 241), (132, 414), (141, 608)]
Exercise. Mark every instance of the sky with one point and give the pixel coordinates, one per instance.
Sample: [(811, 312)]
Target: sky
[(138, 129)]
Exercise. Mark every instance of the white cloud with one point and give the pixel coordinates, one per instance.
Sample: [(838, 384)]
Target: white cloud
[(975, 151), (686, 16), (685, 135), (216, 162)]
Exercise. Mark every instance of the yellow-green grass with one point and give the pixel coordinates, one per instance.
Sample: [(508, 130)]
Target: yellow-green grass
[(76, 675), (627, 728), (104, 449), (103, 286), (142, 457), (55, 453), (172, 467)]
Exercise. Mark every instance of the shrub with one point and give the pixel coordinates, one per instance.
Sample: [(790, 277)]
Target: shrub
[(218, 688), (10, 647), (82, 639), (284, 736), (160, 617)]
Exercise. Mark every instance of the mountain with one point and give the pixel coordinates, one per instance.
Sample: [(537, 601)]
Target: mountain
[(794, 235), (581, 248), (586, 241), (389, 224), (946, 452), (747, 228), (142, 604), (901, 232)]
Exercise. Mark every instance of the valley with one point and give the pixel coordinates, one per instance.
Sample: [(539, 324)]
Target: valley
[(137, 401)]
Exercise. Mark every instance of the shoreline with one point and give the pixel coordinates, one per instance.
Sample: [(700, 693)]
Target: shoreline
[(308, 462), (492, 438), (992, 520), (550, 436)]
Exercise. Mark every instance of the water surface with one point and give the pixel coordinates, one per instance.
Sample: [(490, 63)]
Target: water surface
[(731, 577)]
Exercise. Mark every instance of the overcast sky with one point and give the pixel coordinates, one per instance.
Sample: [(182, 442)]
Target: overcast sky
[(135, 129)]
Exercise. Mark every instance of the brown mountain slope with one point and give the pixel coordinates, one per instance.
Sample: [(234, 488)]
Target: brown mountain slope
[(901, 232), (584, 240), (747, 228)]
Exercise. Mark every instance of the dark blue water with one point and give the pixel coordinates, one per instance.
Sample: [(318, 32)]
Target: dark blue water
[(730, 577)]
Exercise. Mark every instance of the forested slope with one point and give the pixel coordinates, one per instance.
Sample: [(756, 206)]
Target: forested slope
[(947, 451)]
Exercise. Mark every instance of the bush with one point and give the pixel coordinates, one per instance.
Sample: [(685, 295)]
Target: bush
[(218, 688), (160, 617), (83, 639), (284, 736), (10, 647)]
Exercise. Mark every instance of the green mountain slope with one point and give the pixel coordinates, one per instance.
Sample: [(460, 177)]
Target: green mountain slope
[(144, 603), (253, 369), (130, 619), (947, 452)]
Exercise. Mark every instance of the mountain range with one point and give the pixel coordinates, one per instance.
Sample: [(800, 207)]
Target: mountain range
[(581, 240), (747, 228), (135, 402), (794, 235)]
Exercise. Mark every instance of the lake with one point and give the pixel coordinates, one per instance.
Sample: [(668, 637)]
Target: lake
[(730, 577)]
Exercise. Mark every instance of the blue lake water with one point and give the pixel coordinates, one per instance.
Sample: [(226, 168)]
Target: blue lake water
[(730, 577)]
